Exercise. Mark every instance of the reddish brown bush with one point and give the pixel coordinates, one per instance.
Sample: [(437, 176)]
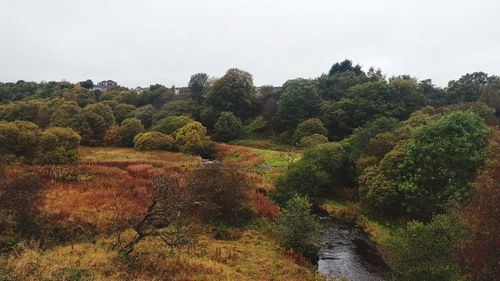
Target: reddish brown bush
[(264, 206)]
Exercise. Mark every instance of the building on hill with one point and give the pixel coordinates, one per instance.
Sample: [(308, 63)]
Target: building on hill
[(105, 85)]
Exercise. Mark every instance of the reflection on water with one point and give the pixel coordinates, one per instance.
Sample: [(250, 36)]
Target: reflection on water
[(347, 252)]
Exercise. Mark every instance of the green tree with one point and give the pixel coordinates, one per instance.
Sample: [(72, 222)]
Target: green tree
[(131, 128), (468, 88), (145, 114), (321, 170), (309, 127), (122, 110), (441, 160), (423, 251), (193, 139), (169, 125), (299, 101), (154, 141), (18, 141), (298, 227), (57, 146), (228, 127), (198, 85), (232, 92)]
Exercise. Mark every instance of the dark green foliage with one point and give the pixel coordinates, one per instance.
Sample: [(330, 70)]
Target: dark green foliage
[(228, 127), (299, 101), (468, 88), (145, 114), (154, 141), (169, 125), (232, 92), (122, 110), (130, 128), (198, 85), (87, 84), (309, 127), (156, 95), (321, 170), (369, 101), (440, 161), (298, 227), (182, 107), (91, 126), (345, 66), (426, 251), (358, 142), (62, 113)]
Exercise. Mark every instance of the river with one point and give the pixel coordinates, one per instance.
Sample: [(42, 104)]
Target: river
[(346, 251)]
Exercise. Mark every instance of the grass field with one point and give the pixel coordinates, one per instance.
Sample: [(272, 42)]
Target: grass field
[(108, 189)]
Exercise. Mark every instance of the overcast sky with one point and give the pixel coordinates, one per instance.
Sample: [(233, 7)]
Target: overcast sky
[(138, 43)]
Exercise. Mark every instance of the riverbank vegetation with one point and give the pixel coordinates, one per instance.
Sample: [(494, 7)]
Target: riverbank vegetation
[(217, 181)]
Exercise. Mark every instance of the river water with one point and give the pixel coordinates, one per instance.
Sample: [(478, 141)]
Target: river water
[(346, 251)]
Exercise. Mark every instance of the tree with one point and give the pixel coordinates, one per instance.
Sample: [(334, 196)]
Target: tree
[(299, 101), (122, 110), (425, 251), (309, 127), (232, 92), (198, 85), (132, 127), (468, 88), (193, 139), (168, 215), (87, 84), (298, 227), (479, 253), (345, 66), (169, 125), (228, 127), (57, 146), (145, 114), (321, 170), (312, 140), (91, 126), (154, 141), (18, 141), (366, 102), (441, 160), (225, 190)]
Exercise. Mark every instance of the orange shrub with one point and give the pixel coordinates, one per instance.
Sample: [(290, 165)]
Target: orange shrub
[(264, 207)]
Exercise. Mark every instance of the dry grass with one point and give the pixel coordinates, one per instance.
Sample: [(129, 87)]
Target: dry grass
[(253, 257), (119, 154)]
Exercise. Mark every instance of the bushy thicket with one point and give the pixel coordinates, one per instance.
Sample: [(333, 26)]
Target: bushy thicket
[(24, 142)]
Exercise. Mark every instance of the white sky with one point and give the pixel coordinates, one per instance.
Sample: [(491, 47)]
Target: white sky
[(138, 43)]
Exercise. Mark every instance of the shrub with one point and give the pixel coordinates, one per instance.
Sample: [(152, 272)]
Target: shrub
[(228, 127), (57, 146), (20, 197), (257, 125), (18, 141), (153, 141), (193, 139), (321, 170), (307, 128), (131, 128), (297, 226), (264, 206), (225, 190), (169, 125), (313, 140), (425, 251)]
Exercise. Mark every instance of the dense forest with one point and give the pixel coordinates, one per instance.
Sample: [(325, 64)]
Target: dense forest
[(130, 184)]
